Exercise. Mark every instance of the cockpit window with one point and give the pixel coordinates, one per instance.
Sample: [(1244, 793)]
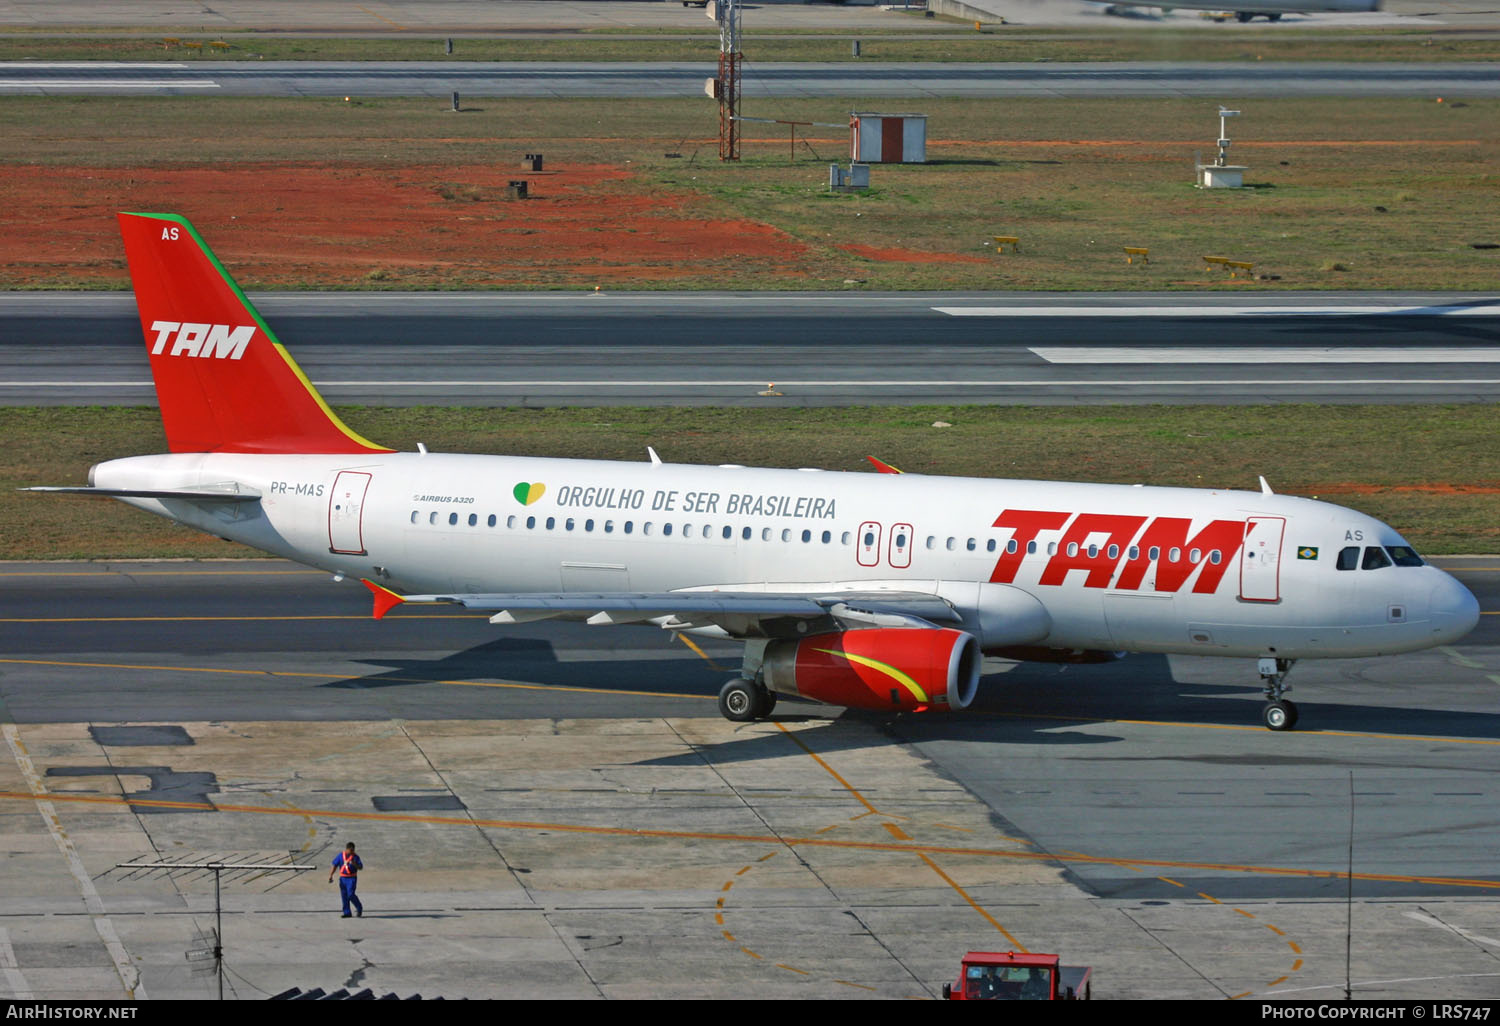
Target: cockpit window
[(1375, 558), (1349, 558), (1403, 555)]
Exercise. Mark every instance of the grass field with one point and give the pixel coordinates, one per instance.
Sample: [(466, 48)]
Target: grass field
[(1344, 193), (1433, 472), (1201, 43)]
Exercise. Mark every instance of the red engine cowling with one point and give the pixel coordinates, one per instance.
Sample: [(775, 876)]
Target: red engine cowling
[(913, 669)]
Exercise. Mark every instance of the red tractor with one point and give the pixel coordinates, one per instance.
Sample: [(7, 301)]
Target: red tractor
[(1008, 976)]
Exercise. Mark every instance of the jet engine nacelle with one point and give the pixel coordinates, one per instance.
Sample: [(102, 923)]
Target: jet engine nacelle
[(914, 669)]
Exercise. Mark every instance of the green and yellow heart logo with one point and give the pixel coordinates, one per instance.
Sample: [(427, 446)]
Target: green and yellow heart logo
[(526, 493)]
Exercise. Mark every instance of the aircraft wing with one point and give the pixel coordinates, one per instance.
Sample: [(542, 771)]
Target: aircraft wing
[(740, 613)]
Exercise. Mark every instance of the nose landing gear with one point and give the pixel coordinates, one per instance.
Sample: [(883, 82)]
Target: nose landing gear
[(1278, 713)]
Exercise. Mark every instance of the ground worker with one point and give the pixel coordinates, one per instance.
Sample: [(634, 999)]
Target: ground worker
[(347, 865)]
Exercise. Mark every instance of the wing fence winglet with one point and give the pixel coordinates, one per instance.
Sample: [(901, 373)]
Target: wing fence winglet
[(385, 598)]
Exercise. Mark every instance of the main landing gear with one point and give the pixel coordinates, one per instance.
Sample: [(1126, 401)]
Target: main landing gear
[(1278, 713), (743, 701)]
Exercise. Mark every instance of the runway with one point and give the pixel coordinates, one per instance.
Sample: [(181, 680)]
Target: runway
[(557, 810), (548, 349), (438, 79)]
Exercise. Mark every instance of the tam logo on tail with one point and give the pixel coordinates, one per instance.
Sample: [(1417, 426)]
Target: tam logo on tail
[(219, 341)]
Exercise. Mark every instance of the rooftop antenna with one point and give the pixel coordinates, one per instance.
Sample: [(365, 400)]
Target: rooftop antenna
[(214, 939)]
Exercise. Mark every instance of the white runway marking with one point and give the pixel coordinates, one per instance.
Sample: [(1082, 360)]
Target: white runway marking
[(1262, 355), (1475, 310), (105, 83)]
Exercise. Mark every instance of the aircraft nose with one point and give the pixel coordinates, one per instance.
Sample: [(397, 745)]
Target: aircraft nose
[(1453, 609)]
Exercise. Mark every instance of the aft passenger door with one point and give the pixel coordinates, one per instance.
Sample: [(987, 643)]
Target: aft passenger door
[(346, 510)]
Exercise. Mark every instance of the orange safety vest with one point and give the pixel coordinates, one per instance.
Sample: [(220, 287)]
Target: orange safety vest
[(346, 868)]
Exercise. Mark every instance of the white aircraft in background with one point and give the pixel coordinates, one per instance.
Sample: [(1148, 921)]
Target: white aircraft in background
[(1269, 9), (876, 591)]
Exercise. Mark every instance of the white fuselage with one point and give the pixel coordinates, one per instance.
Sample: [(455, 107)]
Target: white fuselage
[(1028, 563)]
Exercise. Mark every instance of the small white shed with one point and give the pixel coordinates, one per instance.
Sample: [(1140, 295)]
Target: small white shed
[(887, 138)]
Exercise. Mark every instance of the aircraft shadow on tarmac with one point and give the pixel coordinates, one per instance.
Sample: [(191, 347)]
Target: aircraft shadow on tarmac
[(1028, 704), (534, 661)]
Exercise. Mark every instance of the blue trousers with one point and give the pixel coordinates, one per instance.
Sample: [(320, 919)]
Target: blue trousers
[(346, 891)]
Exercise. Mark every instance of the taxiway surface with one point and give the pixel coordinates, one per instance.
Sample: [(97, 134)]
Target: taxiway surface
[(556, 808)]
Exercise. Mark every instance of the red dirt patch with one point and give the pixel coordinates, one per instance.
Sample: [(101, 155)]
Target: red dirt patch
[(342, 226), (908, 256)]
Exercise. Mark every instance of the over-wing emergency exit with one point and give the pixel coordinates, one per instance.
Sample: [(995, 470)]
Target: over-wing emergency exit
[(877, 591)]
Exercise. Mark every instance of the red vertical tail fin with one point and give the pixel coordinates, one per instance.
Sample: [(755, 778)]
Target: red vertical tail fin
[(224, 382)]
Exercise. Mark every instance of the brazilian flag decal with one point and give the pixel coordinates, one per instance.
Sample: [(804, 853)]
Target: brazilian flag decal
[(1307, 552)]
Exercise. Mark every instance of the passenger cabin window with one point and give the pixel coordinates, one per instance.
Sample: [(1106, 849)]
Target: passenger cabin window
[(1375, 558)]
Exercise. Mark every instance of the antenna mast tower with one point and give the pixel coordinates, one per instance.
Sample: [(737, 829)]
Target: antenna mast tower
[(727, 14)]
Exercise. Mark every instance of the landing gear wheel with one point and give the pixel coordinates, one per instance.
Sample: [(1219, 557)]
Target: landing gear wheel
[(1280, 714), (738, 701), (766, 704)]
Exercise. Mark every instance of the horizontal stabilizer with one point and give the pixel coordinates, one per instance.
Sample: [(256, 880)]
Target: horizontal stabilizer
[(188, 494), (385, 598)]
